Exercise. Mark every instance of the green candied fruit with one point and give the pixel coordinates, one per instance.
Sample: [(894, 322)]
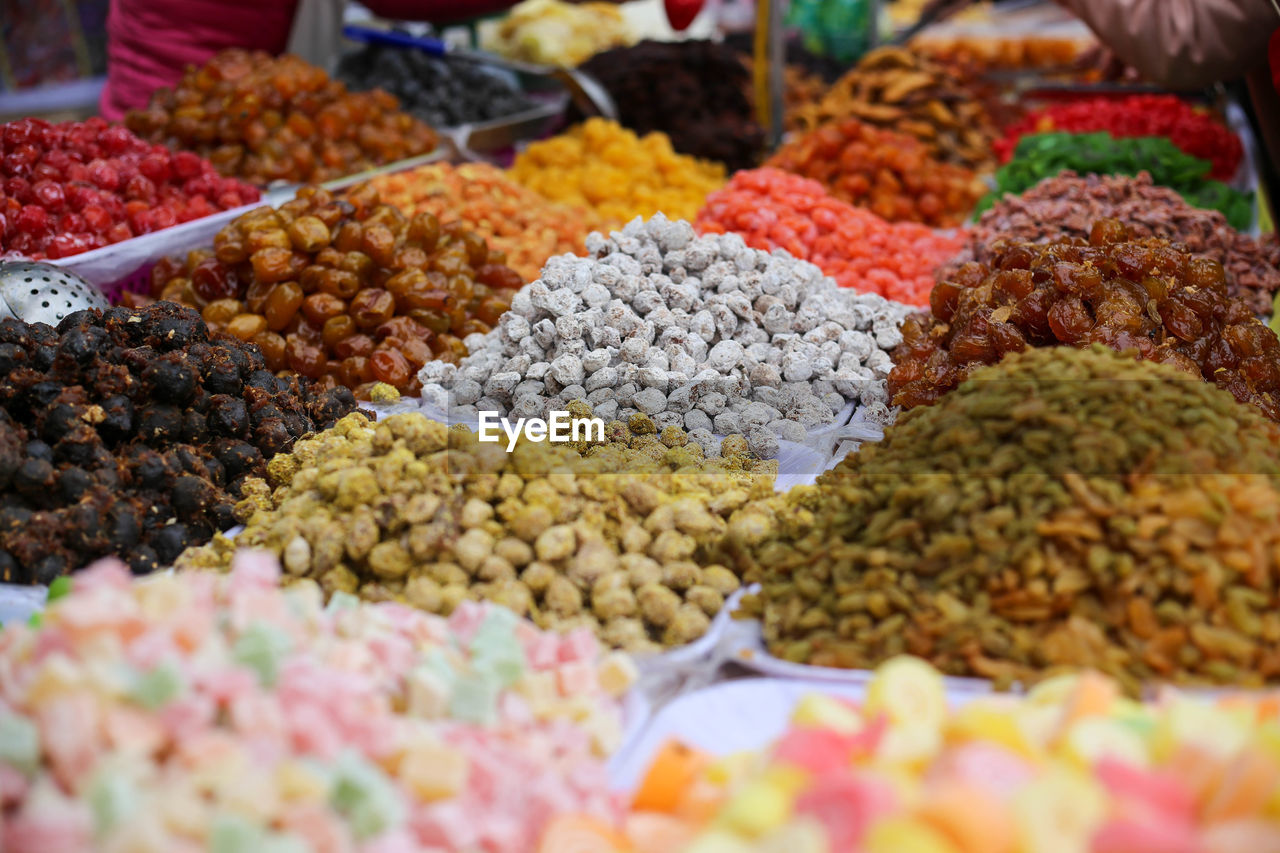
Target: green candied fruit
[(364, 795)]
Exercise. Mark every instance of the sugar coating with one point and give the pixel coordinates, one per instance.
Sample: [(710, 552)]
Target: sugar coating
[(699, 332)]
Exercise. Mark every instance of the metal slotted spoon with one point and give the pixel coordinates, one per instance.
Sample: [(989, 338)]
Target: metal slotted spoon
[(43, 293)]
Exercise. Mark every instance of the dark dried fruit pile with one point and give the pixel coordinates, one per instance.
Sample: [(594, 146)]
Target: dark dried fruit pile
[(442, 91), (348, 291), (265, 119), (131, 433), (1146, 295), (696, 92), (1062, 509)]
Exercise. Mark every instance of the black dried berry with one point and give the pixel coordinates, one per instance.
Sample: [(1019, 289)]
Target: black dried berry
[(170, 378), (83, 343), (13, 518), (240, 459), (191, 496), (117, 422), (37, 449), (228, 416), (43, 355), (169, 542), (214, 472), (223, 515), (266, 381), (160, 424), (10, 571), (42, 394), (124, 528), (78, 319), (272, 436), (50, 569), (150, 470), (143, 560), (59, 420), (11, 357), (73, 483), (195, 428), (179, 329), (34, 479)]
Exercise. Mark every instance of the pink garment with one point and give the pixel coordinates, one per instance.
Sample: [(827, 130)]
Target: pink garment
[(150, 42)]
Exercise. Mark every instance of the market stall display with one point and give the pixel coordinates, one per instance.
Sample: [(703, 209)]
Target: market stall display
[(442, 91), (516, 221), (76, 186), (608, 535), (1061, 509), (771, 209), (553, 32), (1148, 296), (696, 92), (219, 712), (1073, 766), (265, 119), (696, 332), (1044, 155), (605, 168), (1005, 53), (349, 291), (890, 174), (896, 89), (1066, 205), (1192, 130), (130, 433)]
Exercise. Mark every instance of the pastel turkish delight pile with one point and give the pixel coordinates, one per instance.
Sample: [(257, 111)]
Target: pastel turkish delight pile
[(217, 712)]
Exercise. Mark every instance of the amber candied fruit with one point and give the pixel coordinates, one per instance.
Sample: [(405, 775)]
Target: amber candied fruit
[(268, 119), (1149, 296), (354, 279)]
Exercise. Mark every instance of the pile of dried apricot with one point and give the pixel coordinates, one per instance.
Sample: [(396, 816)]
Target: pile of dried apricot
[(349, 291)]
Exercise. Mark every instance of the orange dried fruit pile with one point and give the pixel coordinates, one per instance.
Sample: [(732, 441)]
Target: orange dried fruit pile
[(773, 209)]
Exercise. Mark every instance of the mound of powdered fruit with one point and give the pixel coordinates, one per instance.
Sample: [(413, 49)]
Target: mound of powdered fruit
[(699, 332), (131, 433), (771, 209), (207, 711), (1062, 509)]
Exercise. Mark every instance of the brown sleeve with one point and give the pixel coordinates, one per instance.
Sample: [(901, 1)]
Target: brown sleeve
[(1183, 43)]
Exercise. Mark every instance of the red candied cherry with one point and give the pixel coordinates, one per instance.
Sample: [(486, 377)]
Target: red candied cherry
[(141, 188), (50, 194), (44, 172), (78, 172), (116, 139), (66, 245), (4, 226), (19, 188), (104, 175), (72, 223), (119, 232), (199, 207), (81, 195), (96, 219), (58, 159), (33, 220), (25, 244), (163, 217), (156, 167), (13, 166), (186, 164), (21, 132), (229, 199), (200, 185), (136, 214)]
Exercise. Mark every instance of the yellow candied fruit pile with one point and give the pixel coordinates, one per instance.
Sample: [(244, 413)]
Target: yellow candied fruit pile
[(603, 166), (514, 219)]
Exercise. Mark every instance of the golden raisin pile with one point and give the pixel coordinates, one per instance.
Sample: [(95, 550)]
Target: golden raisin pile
[(345, 290), (265, 119), (889, 173), (1149, 296)]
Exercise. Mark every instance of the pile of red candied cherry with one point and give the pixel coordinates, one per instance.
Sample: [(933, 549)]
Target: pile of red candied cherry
[(72, 187)]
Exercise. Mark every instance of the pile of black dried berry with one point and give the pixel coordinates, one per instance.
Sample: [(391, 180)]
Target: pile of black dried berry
[(693, 91), (130, 432), (442, 92)]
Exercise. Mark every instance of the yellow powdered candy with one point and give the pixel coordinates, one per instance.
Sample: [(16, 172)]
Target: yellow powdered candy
[(602, 166)]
